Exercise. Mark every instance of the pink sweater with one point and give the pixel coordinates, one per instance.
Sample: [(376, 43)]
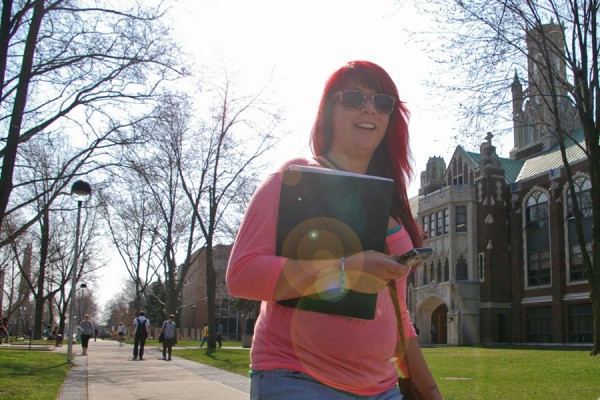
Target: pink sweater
[(347, 354)]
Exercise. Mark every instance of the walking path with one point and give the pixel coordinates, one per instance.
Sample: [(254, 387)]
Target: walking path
[(107, 372)]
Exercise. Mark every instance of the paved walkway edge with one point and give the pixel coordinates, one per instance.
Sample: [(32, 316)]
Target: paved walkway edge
[(75, 385), (94, 377)]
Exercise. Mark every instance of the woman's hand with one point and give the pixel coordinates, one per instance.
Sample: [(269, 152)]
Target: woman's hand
[(365, 272), (370, 271)]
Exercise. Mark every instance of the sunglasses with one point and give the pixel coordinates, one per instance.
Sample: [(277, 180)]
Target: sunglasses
[(354, 100)]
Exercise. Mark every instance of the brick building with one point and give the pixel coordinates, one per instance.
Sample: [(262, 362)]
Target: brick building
[(194, 302), (506, 266)]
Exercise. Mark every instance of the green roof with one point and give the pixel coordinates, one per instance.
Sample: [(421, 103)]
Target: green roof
[(511, 167), (551, 158)]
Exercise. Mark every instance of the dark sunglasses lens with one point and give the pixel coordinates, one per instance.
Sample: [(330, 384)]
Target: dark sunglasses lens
[(352, 100), (383, 104)]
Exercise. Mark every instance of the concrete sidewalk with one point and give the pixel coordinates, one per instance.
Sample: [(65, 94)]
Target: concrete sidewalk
[(107, 372)]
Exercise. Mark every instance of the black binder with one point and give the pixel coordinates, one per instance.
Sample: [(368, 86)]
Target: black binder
[(324, 214)]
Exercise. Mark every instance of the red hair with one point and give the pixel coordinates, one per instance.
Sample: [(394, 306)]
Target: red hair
[(392, 157)]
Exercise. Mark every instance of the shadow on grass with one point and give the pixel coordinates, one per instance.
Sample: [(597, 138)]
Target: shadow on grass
[(214, 354), (25, 370)]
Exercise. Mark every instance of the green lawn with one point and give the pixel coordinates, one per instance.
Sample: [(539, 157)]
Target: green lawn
[(31, 375), (482, 373), (477, 373), (461, 372)]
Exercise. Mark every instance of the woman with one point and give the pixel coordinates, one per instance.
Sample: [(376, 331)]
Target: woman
[(87, 330), (121, 331), (168, 329), (361, 127)]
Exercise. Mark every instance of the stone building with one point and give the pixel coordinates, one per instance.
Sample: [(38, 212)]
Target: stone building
[(506, 266)]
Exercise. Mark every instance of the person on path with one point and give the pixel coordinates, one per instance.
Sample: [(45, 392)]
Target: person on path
[(168, 329), (141, 327), (204, 334), (121, 332), (87, 330), (219, 333)]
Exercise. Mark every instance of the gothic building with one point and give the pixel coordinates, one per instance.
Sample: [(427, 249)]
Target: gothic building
[(507, 267)]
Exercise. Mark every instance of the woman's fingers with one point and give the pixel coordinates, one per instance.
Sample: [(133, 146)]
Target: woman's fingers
[(370, 271)]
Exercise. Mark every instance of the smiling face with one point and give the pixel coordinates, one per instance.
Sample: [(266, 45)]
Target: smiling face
[(357, 133)]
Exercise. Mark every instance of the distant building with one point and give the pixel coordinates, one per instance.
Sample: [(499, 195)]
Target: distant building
[(195, 292), (506, 266)]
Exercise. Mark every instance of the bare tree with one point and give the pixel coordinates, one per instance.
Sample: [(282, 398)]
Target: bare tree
[(171, 225), (131, 218), (70, 66), (117, 310), (493, 38), (222, 166)]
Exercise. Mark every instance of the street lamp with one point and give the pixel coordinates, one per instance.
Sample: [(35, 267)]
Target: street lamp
[(81, 191), (194, 322)]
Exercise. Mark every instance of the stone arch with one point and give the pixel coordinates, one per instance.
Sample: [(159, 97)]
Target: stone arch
[(432, 309)]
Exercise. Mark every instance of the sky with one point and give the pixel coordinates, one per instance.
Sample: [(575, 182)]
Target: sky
[(298, 44)]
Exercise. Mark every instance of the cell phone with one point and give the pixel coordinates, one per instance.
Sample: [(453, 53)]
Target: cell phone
[(414, 256)]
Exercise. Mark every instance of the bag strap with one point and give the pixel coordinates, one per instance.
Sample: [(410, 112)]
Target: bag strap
[(401, 345)]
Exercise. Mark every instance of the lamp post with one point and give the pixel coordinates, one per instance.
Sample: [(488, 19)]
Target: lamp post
[(194, 322), (81, 191)]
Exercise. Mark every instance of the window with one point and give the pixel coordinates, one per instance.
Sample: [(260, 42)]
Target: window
[(440, 276), (462, 273), (447, 270), (446, 220), (537, 240), (438, 223), (538, 323), (580, 323), (584, 201), (426, 224), (432, 229), (431, 272), (576, 267), (461, 218), (480, 267)]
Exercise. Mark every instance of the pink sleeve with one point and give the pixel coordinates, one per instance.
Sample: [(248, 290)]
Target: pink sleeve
[(254, 268), (399, 243)]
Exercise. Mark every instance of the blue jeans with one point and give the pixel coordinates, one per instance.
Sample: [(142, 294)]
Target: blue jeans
[(293, 385)]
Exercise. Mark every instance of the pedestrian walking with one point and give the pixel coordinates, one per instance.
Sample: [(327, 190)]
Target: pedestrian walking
[(121, 332), (169, 337), (219, 333), (141, 327), (204, 334), (87, 330)]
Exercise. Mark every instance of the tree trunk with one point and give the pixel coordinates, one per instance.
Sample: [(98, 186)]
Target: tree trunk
[(596, 314), (41, 279), (16, 121), (593, 274), (211, 282)]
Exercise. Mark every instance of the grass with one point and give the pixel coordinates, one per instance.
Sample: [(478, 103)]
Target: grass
[(476, 373), (483, 373), (31, 375), (463, 373)]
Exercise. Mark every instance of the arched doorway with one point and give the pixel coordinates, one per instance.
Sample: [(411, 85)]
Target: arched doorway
[(438, 326)]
